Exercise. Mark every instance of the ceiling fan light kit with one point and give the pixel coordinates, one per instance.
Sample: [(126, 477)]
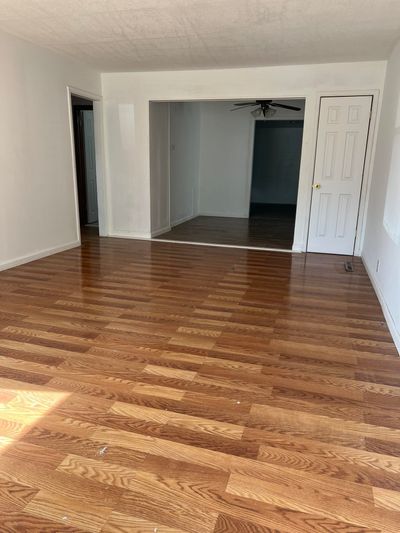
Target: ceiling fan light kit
[(256, 112), (263, 107)]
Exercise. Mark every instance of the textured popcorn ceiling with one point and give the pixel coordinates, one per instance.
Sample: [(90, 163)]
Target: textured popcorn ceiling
[(122, 35)]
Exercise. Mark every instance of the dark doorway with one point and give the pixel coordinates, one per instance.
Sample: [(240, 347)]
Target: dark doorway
[(85, 159), (275, 176)]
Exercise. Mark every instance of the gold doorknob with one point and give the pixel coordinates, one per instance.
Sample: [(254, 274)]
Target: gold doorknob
[(316, 186)]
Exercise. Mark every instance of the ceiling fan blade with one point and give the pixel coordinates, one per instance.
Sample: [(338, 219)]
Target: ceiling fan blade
[(284, 106), (243, 106), (245, 103)]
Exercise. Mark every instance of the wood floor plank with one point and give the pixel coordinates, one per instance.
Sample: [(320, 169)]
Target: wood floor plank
[(18, 522), (325, 504), (122, 523), (150, 386), (69, 511)]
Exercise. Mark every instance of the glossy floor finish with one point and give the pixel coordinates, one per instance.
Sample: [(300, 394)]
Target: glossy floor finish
[(155, 387), (273, 229)]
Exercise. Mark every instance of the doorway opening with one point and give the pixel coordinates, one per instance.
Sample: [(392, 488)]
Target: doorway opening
[(275, 179), (226, 173), (85, 162)]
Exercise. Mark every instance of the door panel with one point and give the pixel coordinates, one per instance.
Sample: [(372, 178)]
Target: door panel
[(90, 162), (323, 213), (339, 165)]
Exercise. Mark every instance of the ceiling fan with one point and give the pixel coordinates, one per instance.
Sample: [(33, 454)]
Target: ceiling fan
[(264, 107)]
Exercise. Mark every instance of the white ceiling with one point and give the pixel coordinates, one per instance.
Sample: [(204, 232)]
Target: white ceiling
[(123, 35)]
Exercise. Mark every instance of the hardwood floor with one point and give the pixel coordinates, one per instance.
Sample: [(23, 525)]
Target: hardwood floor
[(154, 387), (273, 229)]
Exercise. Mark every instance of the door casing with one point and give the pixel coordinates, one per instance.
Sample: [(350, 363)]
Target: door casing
[(368, 165), (102, 186), (367, 102)]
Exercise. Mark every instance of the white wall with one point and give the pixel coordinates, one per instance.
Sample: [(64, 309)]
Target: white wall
[(381, 241), (159, 167), (184, 160), (226, 141), (37, 207), (127, 97)]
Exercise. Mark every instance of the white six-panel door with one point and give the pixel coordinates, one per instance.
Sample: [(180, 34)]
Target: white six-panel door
[(339, 165)]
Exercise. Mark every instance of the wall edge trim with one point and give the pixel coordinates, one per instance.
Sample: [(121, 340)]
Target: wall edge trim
[(386, 312), (160, 231), (182, 220), (129, 235), (223, 214), (38, 255)]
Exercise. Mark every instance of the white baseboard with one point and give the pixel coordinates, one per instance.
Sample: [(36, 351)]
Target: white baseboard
[(129, 235), (224, 214), (298, 247), (38, 255), (160, 231), (395, 333), (237, 246), (182, 220)]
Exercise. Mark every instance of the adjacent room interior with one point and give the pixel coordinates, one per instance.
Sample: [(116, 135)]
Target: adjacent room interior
[(85, 162), (233, 171), (199, 266)]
